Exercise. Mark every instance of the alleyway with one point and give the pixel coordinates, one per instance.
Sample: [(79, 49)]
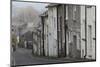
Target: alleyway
[(24, 56)]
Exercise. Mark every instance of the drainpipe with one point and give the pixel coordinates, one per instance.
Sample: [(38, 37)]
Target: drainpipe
[(42, 46), (57, 33), (85, 32), (95, 32), (65, 28)]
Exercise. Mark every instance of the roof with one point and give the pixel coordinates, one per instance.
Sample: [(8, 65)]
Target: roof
[(44, 14), (51, 5)]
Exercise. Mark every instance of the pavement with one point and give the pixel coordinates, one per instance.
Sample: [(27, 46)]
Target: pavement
[(23, 56)]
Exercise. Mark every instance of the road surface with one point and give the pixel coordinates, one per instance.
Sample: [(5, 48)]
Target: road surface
[(23, 56)]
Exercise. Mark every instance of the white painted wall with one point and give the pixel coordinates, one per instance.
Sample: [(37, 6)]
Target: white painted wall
[(82, 31), (52, 37), (35, 46), (90, 21)]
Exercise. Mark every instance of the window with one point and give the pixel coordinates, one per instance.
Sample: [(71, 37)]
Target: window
[(74, 12), (69, 35), (90, 36), (75, 41), (55, 22), (89, 6), (66, 12), (59, 23)]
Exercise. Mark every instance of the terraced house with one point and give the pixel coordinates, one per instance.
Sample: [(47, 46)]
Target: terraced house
[(88, 32), (69, 31)]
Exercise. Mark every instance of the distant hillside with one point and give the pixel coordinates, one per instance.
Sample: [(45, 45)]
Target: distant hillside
[(26, 15)]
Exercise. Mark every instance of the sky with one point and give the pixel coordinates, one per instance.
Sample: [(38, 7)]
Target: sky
[(40, 7)]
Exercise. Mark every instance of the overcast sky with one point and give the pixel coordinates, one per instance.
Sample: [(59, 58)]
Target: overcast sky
[(40, 7)]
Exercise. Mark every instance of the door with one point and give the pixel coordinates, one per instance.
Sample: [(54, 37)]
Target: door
[(59, 36), (90, 40), (74, 46), (75, 40)]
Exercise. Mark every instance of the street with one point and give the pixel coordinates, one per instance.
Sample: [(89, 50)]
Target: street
[(23, 56)]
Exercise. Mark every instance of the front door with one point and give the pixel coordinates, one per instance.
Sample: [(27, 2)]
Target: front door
[(90, 40), (74, 46)]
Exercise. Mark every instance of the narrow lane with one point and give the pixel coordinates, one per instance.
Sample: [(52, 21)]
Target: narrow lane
[(24, 56)]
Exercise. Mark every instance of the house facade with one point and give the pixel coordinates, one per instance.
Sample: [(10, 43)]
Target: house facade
[(37, 42), (69, 31), (62, 30), (88, 32), (52, 30), (73, 31), (45, 23)]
